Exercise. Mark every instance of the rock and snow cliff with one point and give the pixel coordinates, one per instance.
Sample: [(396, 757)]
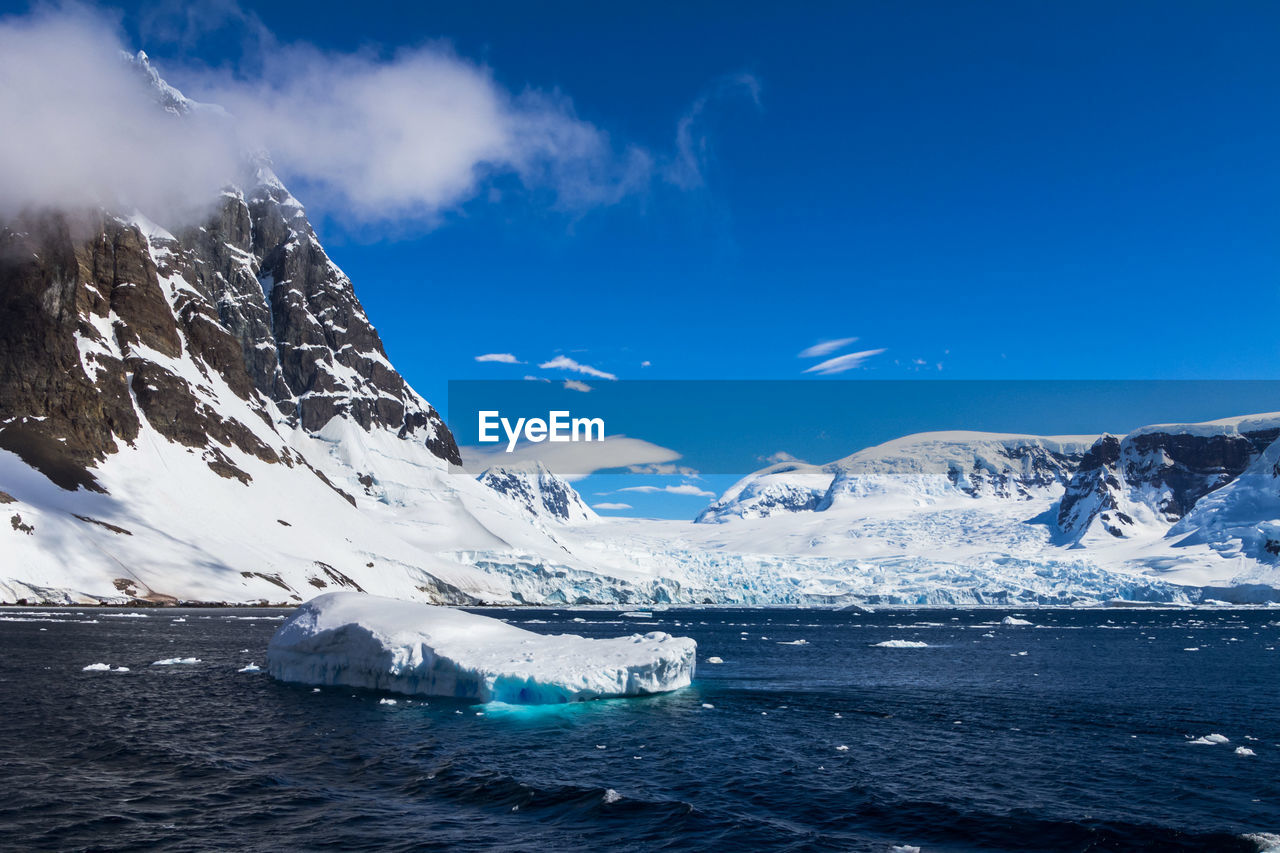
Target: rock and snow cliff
[(207, 413)]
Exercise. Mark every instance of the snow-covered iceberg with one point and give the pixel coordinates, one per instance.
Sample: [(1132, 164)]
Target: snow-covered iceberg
[(359, 640)]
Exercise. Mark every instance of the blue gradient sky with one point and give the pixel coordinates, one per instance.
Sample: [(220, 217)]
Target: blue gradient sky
[(995, 190)]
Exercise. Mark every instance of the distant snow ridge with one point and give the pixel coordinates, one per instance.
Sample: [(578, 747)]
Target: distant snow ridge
[(360, 640), (922, 468)]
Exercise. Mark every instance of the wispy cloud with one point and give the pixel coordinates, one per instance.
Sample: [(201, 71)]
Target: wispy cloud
[(607, 505), (571, 460), (822, 348), (667, 470), (841, 363), (577, 385), (693, 144), (780, 457), (563, 362), (500, 357), (682, 489)]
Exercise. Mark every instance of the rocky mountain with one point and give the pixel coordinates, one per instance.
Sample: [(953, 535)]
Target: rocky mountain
[(539, 492), (1157, 475), (111, 319), (205, 412)]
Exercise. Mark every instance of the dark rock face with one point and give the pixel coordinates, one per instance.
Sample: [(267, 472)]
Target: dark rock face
[(1168, 471), (1094, 489), (1187, 466), (1019, 470), (52, 413), (94, 313)]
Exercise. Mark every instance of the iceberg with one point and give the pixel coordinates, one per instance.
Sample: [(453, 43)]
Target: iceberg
[(358, 640)]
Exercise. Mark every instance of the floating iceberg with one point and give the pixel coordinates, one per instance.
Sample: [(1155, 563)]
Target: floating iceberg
[(900, 644), (358, 640), (1013, 620)]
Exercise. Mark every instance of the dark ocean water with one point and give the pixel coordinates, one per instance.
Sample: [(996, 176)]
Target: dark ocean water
[(1071, 735)]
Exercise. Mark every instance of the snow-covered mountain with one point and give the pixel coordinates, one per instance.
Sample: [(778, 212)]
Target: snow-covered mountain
[(917, 468), (1191, 504), (539, 492), (207, 413)]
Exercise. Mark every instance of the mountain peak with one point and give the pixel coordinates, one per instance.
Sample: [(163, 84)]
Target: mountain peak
[(538, 491)]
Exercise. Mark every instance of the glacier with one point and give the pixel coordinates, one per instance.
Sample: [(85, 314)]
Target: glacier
[(358, 640)]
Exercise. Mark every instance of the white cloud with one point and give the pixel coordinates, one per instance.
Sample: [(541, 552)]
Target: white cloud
[(500, 357), (371, 136), (822, 348), (667, 470), (563, 362), (82, 129), (576, 385), (536, 379), (571, 460), (780, 457), (682, 489), (645, 363), (841, 363), (607, 505)]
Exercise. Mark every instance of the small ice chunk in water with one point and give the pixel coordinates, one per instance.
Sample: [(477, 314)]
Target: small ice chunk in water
[(175, 661), (842, 748), (707, 705), (1268, 842), (1209, 740), (714, 659), (611, 796), (388, 702), (794, 643), (253, 667), (904, 848), (97, 667), (1013, 620), (1244, 750), (900, 644)]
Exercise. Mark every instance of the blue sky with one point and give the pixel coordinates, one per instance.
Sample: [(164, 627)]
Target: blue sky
[(997, 190)]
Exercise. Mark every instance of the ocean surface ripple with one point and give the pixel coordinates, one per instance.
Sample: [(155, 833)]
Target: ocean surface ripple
[(1075, 733)]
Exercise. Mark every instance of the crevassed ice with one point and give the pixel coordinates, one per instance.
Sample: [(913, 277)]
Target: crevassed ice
[(358, 640)]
